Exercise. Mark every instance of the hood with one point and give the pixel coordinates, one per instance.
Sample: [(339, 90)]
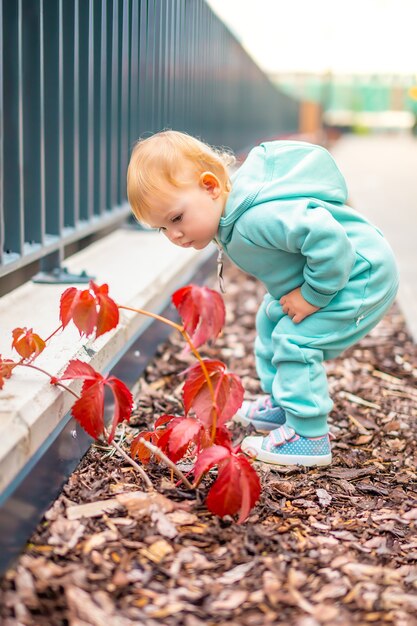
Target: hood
[(280, 170)]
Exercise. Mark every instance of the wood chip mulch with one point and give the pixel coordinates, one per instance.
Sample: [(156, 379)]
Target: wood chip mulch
[(333, 546)]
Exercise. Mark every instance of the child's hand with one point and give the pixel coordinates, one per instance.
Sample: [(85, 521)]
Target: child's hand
[(296, 307)]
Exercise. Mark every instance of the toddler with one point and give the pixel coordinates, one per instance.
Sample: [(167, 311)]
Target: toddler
[(330, 275)]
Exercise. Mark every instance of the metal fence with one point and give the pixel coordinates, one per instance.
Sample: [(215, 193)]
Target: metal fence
[(81, 80)]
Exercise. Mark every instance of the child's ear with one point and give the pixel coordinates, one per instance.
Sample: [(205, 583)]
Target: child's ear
[(211, 183)]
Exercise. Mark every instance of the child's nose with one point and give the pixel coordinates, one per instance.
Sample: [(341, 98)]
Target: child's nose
[(175, 234)]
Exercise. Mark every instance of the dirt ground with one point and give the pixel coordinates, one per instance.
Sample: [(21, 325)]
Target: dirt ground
[(333, 546)]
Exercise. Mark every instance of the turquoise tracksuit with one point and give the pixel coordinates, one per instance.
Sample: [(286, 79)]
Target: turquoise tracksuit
[(286, 223)]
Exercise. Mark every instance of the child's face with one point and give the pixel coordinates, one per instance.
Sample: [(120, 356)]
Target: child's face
[(191, 218)]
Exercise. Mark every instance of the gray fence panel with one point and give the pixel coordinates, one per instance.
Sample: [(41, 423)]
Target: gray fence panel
[(2, 224), (66, 100), (11, 160), (82, 80)]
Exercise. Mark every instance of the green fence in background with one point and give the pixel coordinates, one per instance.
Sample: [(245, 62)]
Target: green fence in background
[(369, 93)]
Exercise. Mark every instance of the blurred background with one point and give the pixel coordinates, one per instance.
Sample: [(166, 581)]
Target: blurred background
[(352, 64)]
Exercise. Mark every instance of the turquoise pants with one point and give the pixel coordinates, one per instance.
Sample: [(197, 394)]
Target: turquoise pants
[(289, 357)]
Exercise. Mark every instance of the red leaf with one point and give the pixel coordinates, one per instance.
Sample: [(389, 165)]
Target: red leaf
[(182, 435), (202, 311), (94, 385), (163, 420), (250, 487), (224, 497), (209, 457), (187, 308), (223, 438), (108, 311), (69, 298), (204, 439), (178, 435), (99, 289), (84, 313), (78, 369), (163, 441), (137, 449), (89, 309), (229, 397), (6, 368), (196, 380), (227, 388), (89, 410), (27, 343), (237, 487), (123, 402)]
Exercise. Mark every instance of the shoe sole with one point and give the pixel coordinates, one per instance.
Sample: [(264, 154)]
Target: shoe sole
[(258, 425), (287, 459)]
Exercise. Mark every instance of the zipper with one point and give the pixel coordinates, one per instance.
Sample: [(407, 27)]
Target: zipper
[(359, 319), (376, 306), (220, 266)]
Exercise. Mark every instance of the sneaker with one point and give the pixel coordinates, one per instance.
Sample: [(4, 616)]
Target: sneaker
[(262, 414), (284, 447)]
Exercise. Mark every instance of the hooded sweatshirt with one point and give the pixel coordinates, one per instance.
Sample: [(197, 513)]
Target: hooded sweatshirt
[(286, 223)]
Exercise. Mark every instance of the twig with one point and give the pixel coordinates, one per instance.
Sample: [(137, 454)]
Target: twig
[(400, 394), (395, 383), (137, 467), (390, 379), (302, 602), (358, 425), (166, 460), (358, 400)]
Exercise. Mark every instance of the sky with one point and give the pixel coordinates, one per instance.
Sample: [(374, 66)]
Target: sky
[(362, 36)]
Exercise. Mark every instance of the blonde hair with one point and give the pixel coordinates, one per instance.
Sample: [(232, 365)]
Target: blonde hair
[(167, 159)]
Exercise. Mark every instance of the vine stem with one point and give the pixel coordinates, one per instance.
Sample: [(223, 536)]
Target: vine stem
[(208, 380), (160, 318), (133, 463), (167, 461), (54, 333), (55, 382), (195, 352)]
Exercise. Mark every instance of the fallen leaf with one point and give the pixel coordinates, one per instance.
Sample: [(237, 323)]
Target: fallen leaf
[(83, 610), (65, 534), (164, 526), (157, 551), (324, 497), (229, 600), (140, 503), (171, 609), (182, 518), (98, 540), (271, 585), (92, 509), (337, 589), (236, 574)]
